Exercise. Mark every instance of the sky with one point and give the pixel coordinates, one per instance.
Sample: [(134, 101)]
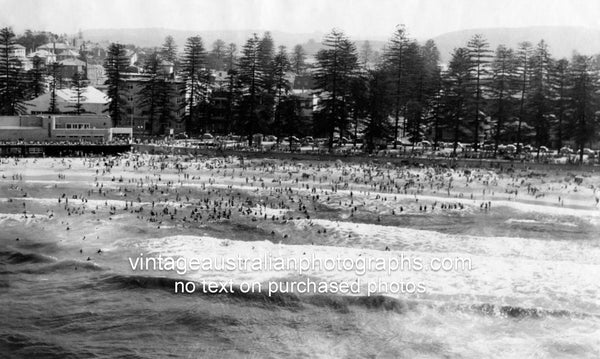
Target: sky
[(360, 19)]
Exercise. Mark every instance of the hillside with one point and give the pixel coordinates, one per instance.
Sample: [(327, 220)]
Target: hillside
[(150, 37), (561, 40)]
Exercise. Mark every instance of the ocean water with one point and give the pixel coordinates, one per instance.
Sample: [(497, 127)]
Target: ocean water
[(68, 290)]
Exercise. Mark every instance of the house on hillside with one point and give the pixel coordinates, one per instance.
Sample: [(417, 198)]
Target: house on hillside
[(17, 51), (61, 50), (72, 66), (132, 57), (46, 56)]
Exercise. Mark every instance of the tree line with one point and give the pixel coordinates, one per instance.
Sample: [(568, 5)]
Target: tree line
[(481, 97), (18, 85)]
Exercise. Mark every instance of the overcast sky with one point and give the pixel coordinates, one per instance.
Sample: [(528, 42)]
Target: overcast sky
[(358, 18)]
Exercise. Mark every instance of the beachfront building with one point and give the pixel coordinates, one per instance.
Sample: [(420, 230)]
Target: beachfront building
[(216, 117), (59, 128), (138, 113), (92, 101)]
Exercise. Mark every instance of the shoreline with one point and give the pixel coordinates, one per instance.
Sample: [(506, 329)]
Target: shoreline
[(65, 151), (364, 158)]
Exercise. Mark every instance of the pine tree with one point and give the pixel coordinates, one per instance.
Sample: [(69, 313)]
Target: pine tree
[(457, 92), (115, 64), (233, 87), (250, 77), (36, 77), (539, 102), (231, 56), (12, 86), (396, 59), (366, 54), (379, 107), (523, 60), (267, 94), (479, 56), (337, 64), (502, 90), (560, 88), (298, 59), (584, 102), (218, 55), (55, 81), (423, 87), (168, 51), (430, 87), (195, 75), (79, 86), (167, 91), (147, 99), (281, 65), (358, 99)]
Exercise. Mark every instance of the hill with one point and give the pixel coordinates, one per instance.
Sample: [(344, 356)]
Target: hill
[(151, 37), (561, 40)]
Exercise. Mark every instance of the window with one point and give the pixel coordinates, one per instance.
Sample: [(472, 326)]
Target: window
[(77, 126)]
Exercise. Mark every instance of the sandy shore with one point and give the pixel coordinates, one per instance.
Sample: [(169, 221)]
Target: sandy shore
[(264, 199)]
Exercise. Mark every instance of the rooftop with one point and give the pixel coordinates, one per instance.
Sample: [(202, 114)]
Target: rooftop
[(57, 45), (72, 62), (91, 95)]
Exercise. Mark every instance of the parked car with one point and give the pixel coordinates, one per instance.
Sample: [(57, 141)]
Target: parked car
[(529, 148), (340, 141), (586, 151), (308, 141), (566, 151)]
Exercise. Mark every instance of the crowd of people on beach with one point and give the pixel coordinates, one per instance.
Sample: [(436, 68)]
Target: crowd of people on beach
[(180, 188), (181, 191)]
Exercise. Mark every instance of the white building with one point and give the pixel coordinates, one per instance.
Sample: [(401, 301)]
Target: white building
[(93, 102)]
